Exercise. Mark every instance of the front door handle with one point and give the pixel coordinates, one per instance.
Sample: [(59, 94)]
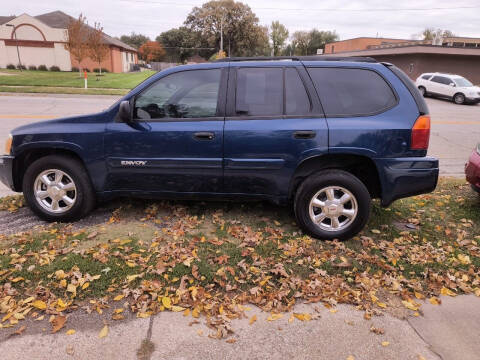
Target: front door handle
[(304, 134), (204, 135)]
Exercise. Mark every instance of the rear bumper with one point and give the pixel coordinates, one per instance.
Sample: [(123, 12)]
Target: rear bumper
[(472, 170), (6, 171), (406, 177)]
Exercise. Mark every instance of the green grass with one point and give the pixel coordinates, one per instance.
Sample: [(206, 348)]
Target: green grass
[(73, 79), (60, 90)]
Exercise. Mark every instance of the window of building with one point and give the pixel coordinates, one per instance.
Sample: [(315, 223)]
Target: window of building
[(352, 92), (186, 94)]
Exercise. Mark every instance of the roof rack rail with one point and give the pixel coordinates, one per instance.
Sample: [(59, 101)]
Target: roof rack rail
[(300, 58)]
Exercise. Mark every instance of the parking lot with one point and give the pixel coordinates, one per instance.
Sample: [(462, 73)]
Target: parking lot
[(455, 128)]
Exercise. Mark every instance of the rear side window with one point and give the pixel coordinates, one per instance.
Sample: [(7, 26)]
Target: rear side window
[(426, 77), (296, 97), (352, 92), (259, 91), (442, 80)]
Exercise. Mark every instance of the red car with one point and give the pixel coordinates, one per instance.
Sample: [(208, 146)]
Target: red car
[(472, 169)]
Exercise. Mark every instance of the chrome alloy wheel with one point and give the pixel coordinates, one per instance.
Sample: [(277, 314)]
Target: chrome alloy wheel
[(333, 208), (55, 191)]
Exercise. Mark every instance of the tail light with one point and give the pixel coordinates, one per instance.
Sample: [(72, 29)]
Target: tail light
[(421, 133)]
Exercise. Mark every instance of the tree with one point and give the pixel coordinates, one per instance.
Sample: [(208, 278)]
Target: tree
[(76, 42), (151, 51), (300, 42), (242, 33), (97, 49), (278, 35), (134, 40), (431, 33), (181, 43), (318, 39)]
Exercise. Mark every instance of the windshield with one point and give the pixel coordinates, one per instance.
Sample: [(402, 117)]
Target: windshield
[(462, 82)]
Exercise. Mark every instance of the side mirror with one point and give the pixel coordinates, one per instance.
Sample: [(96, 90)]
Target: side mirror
[(452, 84), (124, 112)]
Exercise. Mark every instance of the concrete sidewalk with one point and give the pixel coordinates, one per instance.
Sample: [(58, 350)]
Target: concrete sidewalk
[(448, 332)]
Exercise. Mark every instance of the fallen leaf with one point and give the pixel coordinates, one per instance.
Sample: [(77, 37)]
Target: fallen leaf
[(231, 341), (253, 319), (39, 304), (167, 302), (104, 332), (118, 297), (303, 317), (274, 317), (385, 343), (58, 323), (70, 332), (434, 301)]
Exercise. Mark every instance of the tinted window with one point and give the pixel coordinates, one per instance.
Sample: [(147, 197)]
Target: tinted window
[(186, 94), (259, 91), (426, 77), (296, 97), (442, 80), (351, 92)]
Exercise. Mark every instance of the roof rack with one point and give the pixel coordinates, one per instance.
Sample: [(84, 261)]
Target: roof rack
[(300, 58)]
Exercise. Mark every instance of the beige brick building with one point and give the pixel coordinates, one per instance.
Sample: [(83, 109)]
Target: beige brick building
[(41, 41)]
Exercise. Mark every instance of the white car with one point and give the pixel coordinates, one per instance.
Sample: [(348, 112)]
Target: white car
[(453, 87)]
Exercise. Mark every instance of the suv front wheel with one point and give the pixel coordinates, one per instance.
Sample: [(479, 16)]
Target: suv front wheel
[(332, 204), (57, 188)]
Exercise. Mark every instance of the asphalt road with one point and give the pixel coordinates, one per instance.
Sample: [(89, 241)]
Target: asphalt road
[(455, 128)]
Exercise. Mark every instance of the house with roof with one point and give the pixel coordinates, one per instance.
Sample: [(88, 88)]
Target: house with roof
[(41, 39)]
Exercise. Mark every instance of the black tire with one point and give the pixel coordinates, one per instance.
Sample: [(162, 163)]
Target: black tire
[(84, 195), (335, 178), (423, 91), (459, 99)]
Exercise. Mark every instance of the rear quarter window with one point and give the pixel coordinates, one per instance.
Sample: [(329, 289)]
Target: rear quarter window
[(352, 92)]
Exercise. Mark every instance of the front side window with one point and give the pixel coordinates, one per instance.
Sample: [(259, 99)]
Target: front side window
[(186, 94), (426, 77), (352, 92), (462, 82)]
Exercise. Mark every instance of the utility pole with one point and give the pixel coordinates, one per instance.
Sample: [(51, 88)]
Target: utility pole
[(221, 34), (16, 42)]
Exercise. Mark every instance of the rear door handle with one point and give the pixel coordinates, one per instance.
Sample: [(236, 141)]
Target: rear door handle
[(204, 135), (304, 134)]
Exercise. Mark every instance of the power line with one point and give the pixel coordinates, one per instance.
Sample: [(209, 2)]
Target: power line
[(310, 9)]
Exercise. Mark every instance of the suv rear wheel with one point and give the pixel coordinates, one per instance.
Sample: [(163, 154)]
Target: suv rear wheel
[(332, 204), (57, 188)]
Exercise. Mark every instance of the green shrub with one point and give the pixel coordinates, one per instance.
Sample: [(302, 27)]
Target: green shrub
[(97, 70), (32, 67), (74, 69), (42, 68), (86, 69), (54, 68), (11, 66), (23, 67)]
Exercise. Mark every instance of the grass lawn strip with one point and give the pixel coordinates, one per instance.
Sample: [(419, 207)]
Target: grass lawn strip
[(61, 90), (73, 79), (212, 260)]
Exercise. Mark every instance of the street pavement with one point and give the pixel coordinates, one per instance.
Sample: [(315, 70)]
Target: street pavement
[(455, 128)]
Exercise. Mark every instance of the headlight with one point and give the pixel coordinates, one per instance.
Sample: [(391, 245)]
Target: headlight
[(8, 145)]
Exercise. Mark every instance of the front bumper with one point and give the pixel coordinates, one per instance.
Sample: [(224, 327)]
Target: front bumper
[(472, 170), (404, 177), (6, 171), (472, 100)]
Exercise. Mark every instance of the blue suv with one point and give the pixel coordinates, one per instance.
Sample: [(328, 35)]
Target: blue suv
[(325, 134)]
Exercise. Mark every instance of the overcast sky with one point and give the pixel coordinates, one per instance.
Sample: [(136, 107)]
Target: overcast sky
[(350, 18)]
